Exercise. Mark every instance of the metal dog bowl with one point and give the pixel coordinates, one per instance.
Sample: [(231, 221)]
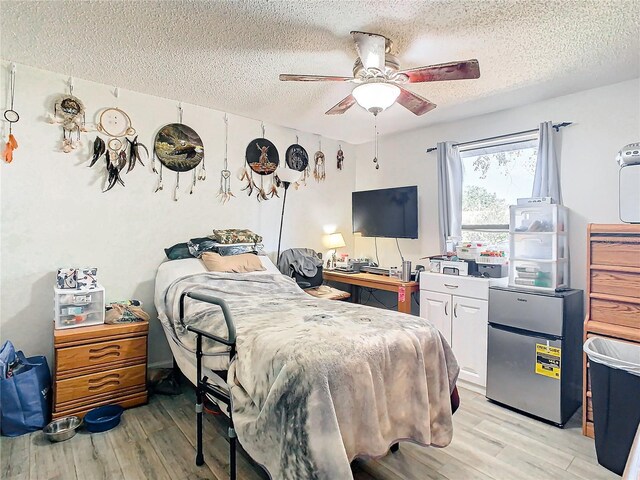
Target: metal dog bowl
[(62, 429)]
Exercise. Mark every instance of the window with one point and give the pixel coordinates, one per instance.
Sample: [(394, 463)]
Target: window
[(495, 176)]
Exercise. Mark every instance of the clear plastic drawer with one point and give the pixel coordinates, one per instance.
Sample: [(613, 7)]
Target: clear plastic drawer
[(543, 275), (78, 307), (538, 246), (538, 218)]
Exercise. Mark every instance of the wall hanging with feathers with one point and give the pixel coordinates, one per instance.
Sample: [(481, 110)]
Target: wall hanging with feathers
[(11, 116), (119, 150), (180, 149), (340, 157), (319, 172), (262, 158), (69, 112), (297, 159)]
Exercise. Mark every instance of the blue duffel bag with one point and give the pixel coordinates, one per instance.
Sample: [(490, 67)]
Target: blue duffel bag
[(24, 394)]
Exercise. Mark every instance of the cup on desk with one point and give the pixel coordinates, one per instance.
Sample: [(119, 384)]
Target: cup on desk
[(406, 271)]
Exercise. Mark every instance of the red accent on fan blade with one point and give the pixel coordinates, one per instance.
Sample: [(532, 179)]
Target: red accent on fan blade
[(414, 103), (292, 77), (445, 71), (342, 106), (370, 48)]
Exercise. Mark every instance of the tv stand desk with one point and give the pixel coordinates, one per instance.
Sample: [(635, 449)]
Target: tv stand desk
[(379, 282)]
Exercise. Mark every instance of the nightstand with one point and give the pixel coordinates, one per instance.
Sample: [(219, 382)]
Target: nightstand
[(99, 365), (330, 293)]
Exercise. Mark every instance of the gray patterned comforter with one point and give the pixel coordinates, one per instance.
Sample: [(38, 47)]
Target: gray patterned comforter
[(318, 382)]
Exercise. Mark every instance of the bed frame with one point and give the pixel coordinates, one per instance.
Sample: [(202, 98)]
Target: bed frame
[(204, 387)]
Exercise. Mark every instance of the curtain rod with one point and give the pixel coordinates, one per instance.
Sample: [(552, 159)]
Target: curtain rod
[(557, 128)]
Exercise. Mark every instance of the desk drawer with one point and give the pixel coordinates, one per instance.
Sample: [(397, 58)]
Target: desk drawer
[(99, 383), (101, 354), (615, 312), (616, 251)]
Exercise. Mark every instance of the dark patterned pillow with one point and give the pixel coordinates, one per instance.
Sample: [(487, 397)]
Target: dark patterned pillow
[(234, 235)]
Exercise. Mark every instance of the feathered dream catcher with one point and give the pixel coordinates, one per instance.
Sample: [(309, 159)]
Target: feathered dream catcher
[(297, 159), (120, 150), (263, 159), (69, 112), (340, 157), (318, 169), (225, 193), (11, 116)]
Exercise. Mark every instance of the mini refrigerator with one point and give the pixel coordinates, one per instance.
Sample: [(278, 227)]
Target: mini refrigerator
[(534, 354)]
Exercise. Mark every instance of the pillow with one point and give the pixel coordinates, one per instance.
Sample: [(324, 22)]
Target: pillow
[(245, 262), (237, 248), (178, 251), (234, 235)]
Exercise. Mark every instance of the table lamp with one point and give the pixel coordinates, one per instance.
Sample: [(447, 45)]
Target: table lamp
[(334, 241), (287, 176)]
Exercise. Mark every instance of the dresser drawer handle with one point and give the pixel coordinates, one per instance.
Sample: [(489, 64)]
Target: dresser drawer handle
[(102, 385), (102, 379), (102, 355), (96, 350), (450, 286), (107, 380)]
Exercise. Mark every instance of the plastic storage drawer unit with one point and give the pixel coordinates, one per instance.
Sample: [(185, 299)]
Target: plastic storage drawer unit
[(78, 308)]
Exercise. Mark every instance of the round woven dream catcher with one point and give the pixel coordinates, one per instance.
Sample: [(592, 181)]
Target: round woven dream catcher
[(262, 158), (180, 149)]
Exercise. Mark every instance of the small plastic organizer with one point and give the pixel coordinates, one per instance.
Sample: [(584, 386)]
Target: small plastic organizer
[(538, 244), (78, 307)]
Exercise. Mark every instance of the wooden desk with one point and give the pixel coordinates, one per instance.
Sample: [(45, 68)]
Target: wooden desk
[(379, 282)]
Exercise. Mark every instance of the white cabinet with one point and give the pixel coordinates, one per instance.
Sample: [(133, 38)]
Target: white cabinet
[(469, 338), (436, 307), (459, 308)]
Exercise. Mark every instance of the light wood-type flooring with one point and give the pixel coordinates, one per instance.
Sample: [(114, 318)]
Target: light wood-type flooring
[(156, 442)]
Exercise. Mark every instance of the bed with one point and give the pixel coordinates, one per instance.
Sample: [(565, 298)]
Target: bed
[(313, 383)]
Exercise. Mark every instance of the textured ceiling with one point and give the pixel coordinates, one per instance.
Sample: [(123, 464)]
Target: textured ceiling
[(227, 55)]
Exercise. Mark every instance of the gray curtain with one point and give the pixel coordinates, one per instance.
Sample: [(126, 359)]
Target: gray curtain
[(449, 192), (546, 182)]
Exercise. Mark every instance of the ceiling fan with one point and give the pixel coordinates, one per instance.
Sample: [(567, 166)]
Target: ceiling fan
[(380, 81)]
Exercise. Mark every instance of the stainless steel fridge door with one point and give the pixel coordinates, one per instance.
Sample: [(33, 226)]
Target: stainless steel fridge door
[(511, 373), (528, 311)]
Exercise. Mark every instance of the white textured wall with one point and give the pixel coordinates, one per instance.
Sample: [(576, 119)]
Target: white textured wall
[(605, 119), (53, 212)]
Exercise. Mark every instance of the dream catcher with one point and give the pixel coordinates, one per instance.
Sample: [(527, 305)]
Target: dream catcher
[(297, 159), (263, 159), (69, 112), (225, 192), (120, 151), (340, 157), (179, 148), (12, 117), (318, 168)]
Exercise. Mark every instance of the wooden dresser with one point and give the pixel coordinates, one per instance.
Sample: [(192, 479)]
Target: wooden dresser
[(613, 300), (99, 365)]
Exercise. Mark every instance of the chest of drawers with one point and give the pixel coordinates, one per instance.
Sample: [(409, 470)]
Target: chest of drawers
[(99, 365)]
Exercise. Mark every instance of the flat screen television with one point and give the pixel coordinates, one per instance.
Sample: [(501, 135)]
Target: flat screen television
[(389, 212)]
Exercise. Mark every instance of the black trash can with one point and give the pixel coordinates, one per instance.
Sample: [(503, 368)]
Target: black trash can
[(615, 393)]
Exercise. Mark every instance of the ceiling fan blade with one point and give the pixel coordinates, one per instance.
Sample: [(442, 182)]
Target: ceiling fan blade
[(342, 106), (444, 71), (370, 48), (414, 103), (288, 77)]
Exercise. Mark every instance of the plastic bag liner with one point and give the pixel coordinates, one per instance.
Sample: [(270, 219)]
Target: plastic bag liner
[(25, 405), (614, 354)]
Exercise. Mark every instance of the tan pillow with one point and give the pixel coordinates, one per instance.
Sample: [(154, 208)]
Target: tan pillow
[(245, 262)]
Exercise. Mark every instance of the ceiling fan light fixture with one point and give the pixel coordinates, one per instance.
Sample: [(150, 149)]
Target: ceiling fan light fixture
[(376, 96)]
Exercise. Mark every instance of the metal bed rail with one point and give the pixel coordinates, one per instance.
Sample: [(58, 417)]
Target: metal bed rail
[(203, 387)]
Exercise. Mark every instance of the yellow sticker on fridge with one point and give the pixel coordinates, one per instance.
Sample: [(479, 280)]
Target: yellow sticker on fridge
[(548, 361)]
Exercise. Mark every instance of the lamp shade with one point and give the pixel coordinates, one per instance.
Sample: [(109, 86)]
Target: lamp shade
[(335, 240), (376, 96), (288, 175)]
